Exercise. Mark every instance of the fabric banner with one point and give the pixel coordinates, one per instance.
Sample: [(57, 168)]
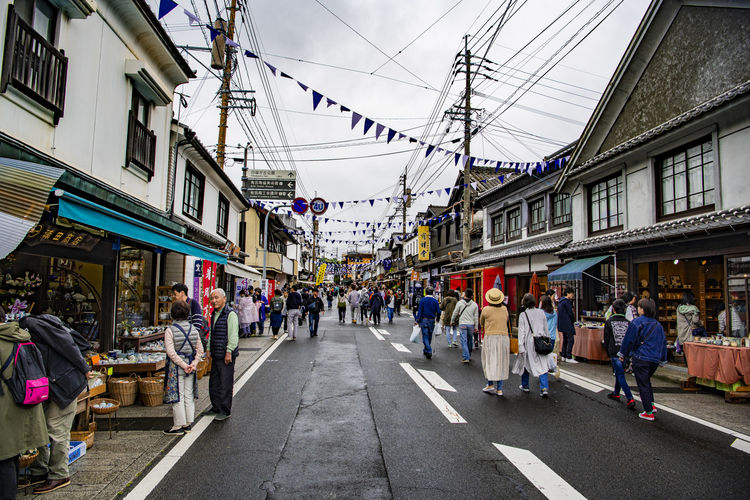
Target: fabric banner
[(209, 281)]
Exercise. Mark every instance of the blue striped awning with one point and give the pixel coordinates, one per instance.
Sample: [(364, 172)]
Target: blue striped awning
[(574, 270), (24, 189)]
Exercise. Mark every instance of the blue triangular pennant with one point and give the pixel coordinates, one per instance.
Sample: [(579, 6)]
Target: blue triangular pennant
[(430, 149), (271, 67), (356, 117), (250, 55), (391, 135), (165, 7), (379, 130), (317, 96), (304, 87), (368, 124)]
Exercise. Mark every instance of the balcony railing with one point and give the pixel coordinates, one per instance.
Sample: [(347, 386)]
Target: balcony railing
[(141, 150), (33, 66)]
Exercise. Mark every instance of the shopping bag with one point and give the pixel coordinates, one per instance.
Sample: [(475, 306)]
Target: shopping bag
[(416, 334)]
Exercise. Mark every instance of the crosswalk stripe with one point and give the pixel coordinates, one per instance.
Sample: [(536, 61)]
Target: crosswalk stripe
[(377, 335), (400, 347), (437, 381), (441, 404), (383, 332)]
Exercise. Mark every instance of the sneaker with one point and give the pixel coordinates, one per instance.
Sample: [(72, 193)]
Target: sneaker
[(51, 485), (631, 404), (613, 396), (187, 428), (653, 408), (524, 388), (490, 389), (571, 360), (221, 417), (545, 393), (647, 415), (212, 411), (499, 393), (465, 361), (557, 373), (174, 432)]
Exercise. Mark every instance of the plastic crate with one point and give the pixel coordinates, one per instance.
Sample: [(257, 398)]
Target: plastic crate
[(77, 450)]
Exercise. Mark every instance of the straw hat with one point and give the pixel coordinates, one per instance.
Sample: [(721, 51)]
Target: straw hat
[(494, 296)]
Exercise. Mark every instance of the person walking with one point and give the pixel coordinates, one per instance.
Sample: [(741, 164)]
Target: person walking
[(353, 299), (248, 313), (495, 320), (566, 324), (67, 371), (399, 299), (376, 305), (261, 303), (427, 313), (545, 304), (531, 323), (614, 333), (24, 427), (313, 308), (294, 311), (284, 313), (364, 305), (390, 305), (184, 351), (688, 319), (466, 316), (448, 305), (276, 307), (223, 349), (646, 344), (341, 305)]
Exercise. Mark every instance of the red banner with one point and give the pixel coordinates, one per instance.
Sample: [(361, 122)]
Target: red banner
[(209, 281)]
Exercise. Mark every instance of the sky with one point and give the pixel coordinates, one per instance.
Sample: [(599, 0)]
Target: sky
[(393, 61)]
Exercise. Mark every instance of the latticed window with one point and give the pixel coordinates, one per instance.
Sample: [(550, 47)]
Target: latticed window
[(192, 198), (537, 216), (222, 219), (561, 210), (514, 223), (497, 229), (606, 204), (687, 178)]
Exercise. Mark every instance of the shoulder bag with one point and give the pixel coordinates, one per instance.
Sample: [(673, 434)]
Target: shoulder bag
[(542, 345)]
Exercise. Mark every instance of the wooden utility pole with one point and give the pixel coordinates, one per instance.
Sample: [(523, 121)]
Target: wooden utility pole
[(467, 151), (225, 86), (314, 248)]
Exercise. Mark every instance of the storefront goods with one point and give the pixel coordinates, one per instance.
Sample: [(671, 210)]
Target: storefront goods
[(151, 390), (724, 364), (123, 389)]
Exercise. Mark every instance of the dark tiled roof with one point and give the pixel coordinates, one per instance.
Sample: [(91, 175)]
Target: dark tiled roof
[(678, 120), (432, 261), (705, 223), (549, 244)]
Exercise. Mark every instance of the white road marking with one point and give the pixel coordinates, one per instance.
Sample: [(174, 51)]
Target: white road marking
[(586, 384), (441, 404), (400, 347), (740, 445), (437, 381), (539, 474), (667, 409), (383, 332), (160, 470), (377, 335)]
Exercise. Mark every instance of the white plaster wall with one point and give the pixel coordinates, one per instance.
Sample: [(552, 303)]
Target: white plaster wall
[(579, 215), (640, 204), (517, 265), (540, 262), (734, 150)]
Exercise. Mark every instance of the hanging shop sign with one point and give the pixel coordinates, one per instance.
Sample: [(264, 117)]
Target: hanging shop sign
[(197, 280), (299, 206), (209, 281), (271, 184), (321, 274), (424, 242), (55, 235), (414, 275), (318, 206)]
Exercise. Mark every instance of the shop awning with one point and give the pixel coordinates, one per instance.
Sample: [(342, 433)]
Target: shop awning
[(91, 214), (574, 270), (24, 189), (241, 270)]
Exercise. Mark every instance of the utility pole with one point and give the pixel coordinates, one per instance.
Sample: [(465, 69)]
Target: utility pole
[(314, 245), (467, 151), (225, 86), (404, 206)]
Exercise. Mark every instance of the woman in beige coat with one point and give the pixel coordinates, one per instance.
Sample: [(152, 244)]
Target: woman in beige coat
[(495, 320)]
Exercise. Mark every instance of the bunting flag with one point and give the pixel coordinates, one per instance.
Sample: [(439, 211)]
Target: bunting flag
[(271, 67), (231, 42), (356, 117), (317, 96), (368, 123), (253, 56), (213, 32), (166, 6), (192, 18), (378, 130), (330, 102), (304, 87), (391, 135)]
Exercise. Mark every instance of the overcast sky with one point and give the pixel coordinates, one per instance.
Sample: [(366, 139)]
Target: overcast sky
[(402, 93)]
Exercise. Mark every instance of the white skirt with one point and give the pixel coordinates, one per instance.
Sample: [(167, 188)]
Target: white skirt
[(496, 357)]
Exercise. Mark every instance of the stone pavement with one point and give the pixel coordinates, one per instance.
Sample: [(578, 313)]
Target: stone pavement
[(112, 464)]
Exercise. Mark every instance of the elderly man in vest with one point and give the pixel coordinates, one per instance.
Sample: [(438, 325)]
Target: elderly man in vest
[(223, 340)]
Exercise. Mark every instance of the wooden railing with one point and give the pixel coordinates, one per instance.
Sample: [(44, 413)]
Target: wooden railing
[(141, 149), (33, 65)]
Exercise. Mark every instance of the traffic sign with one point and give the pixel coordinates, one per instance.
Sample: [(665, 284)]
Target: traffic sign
[(318, 206), (299, 206), (269, 194), (270, 184), (283, 175)]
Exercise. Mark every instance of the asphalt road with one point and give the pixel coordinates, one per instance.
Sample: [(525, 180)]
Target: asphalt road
[(338, 416)]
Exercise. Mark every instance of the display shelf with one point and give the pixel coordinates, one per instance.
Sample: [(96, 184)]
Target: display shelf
[(137, 341), (163, 306)]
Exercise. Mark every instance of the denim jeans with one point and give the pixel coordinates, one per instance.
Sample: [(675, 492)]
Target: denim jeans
[(620, 382), (342, 314), (427, 326), (497, 383), (451, 334), (467, 340), (543, 380), (390, 314), (313, 319)]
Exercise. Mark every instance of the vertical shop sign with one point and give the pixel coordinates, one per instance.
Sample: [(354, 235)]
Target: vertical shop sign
[(424, 242), (197, 276), (209, 281)]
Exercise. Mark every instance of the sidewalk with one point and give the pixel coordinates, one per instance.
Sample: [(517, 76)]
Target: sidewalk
[(112, 464), (707, 404)]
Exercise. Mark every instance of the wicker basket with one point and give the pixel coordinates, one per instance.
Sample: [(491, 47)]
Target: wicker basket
[(152, 390), (104, 411), (85, 436), (123, 389), (27, 459)]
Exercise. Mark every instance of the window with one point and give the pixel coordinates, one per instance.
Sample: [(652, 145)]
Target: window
[(41, 15), (497, 229), (222, 219), (514, 223), (606, 204), (537, 216), (686, 178), (192, 197), (561, 209), (140, 107)]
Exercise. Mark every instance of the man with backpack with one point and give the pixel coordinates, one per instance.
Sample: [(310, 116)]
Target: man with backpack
[(67, 371), (313, 308), (364, 304), (23, 426)]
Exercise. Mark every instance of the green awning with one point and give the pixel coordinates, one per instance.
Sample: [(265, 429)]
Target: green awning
[(575, 269), (91, 214)]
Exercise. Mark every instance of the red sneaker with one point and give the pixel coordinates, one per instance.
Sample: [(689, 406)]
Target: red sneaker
[(631, 404), (647, 415)]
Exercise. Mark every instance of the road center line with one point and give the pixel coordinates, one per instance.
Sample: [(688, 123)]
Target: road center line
[(586, 384), (377, 335), (160, 470), (383, 332), (437, 381), (400, 347), (441, 404), (539, 474)]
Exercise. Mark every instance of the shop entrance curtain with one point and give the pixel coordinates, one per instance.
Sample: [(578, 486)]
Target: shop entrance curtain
[(86, 212), (24, 189), (574, 270)]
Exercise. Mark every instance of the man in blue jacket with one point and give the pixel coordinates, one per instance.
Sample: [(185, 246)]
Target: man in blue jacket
[(427, 312), (646, 344), (565, 324)]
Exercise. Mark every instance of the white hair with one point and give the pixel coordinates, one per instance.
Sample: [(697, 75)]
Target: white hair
[(220, 291)]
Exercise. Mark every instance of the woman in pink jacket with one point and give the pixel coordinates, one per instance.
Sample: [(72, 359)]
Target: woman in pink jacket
[(248, 314)]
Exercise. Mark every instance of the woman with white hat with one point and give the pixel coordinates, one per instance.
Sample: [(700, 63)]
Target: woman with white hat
[(495, 319)]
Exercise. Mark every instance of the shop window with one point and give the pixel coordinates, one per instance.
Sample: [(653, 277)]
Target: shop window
[(736, 321), (686, 179), (561, 210), (222, 219), (497, 229), (192, 197), (514, 223), (538, 221), (135, 290), (606, 205)]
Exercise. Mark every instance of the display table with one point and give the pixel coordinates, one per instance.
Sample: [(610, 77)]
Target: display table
[(723, 364), (147, 368), (137, 341), (83, 406), (588, 344)]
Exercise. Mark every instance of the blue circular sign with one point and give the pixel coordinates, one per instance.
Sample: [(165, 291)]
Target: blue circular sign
[(318, 206), (299, 206)]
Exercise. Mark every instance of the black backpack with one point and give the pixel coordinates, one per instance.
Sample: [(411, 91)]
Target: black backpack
[(28, 384)]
